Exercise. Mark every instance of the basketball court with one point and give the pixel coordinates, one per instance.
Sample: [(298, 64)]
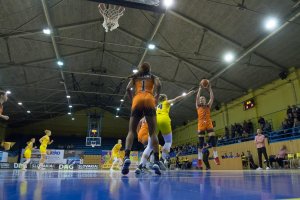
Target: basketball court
[(65, 66), (172, 185)]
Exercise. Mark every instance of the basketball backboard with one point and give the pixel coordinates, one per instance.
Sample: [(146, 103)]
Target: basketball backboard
[(150, 5)]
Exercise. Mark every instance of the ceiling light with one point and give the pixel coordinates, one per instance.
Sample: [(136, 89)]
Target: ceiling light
[(46, 31), (70, 106), (28, 111), (135, 71), (151, 46), (60, 63), (184, 94), (73, 119), (68, 96), (131, 88), (122, 100), (172, 104), (20, 103), (69, 113), (118, 109), (228, 57), (271, 23), (8, 92), (168, 3), (117, 116)]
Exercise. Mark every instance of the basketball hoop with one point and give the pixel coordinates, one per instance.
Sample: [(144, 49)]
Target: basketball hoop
[(111, 15)]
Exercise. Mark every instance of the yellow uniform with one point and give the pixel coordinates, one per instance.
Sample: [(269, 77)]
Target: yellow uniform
[(28, 149), (163, 118), (115, 152), (45, 142)]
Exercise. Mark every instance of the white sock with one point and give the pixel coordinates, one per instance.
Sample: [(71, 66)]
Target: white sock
[(164, 155), (26, 163), (215, 154), (143, 160), (200, 155)]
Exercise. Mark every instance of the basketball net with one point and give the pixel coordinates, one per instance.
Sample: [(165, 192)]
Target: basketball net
[(111, 15)]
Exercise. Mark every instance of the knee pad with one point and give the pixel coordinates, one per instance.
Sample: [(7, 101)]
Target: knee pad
[(212, 140), (201, 142), (167, 147)]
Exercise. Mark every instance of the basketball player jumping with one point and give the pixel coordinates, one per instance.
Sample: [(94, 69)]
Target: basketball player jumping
[(143, 104), (205, 124)]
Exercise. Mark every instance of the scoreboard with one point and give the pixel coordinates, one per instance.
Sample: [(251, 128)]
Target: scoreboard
[(249, 104)]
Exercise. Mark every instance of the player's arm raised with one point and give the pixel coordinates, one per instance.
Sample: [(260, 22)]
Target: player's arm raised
[(128, 89), (179, 98), (198, 96), (211, 96), (157, 84)]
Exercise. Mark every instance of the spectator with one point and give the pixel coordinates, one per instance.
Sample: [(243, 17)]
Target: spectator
[(250, 127), (296, 122), (261, 149), (225, 155), (267, 127), (246, 130), (289, 111), (230, 155), (237, 155), (239, 130), (251, 161), (279, 157), (261, 122), (232, 131), (284, 124), (244, 160), (226, 133)]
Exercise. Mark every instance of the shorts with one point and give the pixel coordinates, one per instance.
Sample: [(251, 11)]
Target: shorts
[(43, 149), (205, 125), (143, 104), (143, 135), (164, 124), (27, 154)]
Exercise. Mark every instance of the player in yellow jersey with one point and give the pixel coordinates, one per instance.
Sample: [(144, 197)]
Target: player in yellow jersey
[(115, 155), (27, 153), (163, 127), (147, 90), (45, 141), (205, 124)]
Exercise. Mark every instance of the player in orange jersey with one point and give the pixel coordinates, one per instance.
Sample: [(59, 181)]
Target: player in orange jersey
[(143, 105), (205, 124)]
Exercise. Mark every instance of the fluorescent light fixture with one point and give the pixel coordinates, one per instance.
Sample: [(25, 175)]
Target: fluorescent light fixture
[(70, 106), (151, 46), (228, 57), (184, 94), (46, 31), (8, 92), (118, 109), (168, 3), (20, 103), (117, 116), (172, 104), (28, 111), (68, 96), (135, 71), (60, 63), (73, 118), (271, 23), (69, 113), (122, 100)]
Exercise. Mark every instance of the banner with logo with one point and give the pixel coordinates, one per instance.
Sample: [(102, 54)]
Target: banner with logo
[(54, 156), (50, 166), (3, 156), (73, 156)]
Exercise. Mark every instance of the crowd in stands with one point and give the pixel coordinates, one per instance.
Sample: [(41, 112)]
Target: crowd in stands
[(292, 117), (184, 149)]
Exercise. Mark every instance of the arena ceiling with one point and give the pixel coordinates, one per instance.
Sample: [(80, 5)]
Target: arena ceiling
[(191, 39)]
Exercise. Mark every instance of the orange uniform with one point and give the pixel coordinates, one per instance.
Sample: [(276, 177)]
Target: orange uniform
[(204, 120), (143, 133), (143, 102)]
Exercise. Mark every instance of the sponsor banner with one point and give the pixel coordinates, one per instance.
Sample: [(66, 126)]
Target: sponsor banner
[(50, 166), (53, 156), (73, 156), (3, 156)]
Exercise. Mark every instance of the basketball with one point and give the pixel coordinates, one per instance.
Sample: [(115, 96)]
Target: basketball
[(204, 83)]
